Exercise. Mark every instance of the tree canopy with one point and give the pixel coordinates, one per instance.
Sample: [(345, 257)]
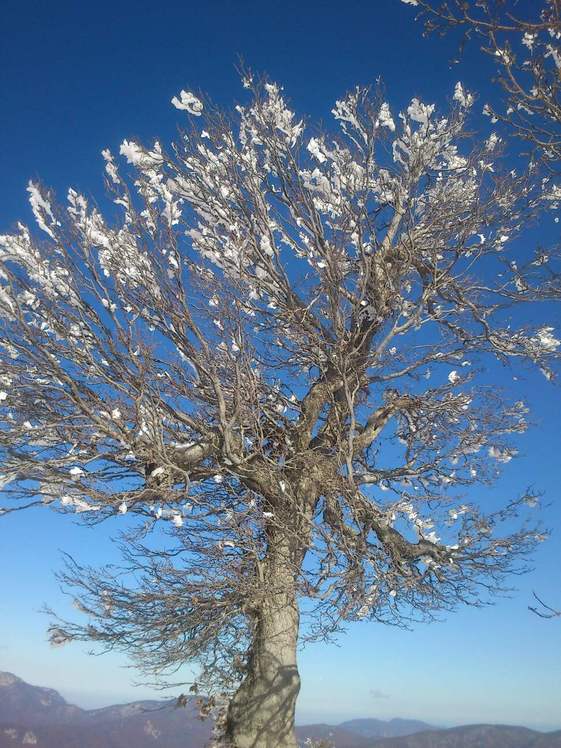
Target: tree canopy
[(274, 345)]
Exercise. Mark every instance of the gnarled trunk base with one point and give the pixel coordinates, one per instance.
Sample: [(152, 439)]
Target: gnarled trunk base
[(261, 714)]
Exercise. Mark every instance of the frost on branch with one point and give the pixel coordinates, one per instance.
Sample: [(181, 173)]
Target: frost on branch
[(270, 347), (523, 44), (188, 102)]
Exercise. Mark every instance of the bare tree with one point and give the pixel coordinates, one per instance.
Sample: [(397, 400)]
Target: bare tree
[(524, 42), (283, 351)]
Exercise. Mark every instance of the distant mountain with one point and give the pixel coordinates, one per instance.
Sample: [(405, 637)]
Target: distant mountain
[(32, 705), (30, 715), (475, 736), (335, 734), (358, 733), (40, 717), (377, 728)]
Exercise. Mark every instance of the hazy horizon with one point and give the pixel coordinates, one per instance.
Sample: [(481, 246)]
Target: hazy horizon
[(86, 700)]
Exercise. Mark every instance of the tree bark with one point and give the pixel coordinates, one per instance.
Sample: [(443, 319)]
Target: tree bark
[(261, 713)]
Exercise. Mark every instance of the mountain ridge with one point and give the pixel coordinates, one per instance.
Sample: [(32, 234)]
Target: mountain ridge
[(41, 717)]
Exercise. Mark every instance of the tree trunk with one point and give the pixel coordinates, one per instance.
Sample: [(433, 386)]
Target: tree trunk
[(261, 713)]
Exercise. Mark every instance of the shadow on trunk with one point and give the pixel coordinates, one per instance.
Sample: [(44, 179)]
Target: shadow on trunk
[(261, 713)]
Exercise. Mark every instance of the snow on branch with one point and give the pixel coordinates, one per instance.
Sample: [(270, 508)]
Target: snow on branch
[(271, 347)]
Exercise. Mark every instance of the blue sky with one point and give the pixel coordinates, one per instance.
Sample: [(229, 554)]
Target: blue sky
[(78, 77)]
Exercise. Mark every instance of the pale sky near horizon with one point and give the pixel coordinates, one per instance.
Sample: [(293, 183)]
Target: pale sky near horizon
[(77, 78)]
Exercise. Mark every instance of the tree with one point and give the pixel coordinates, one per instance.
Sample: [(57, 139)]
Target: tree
[(524, 44), (276, 351), (523, 41)]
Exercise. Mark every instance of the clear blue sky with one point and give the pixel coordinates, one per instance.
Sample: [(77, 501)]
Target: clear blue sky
[(79, 77)]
